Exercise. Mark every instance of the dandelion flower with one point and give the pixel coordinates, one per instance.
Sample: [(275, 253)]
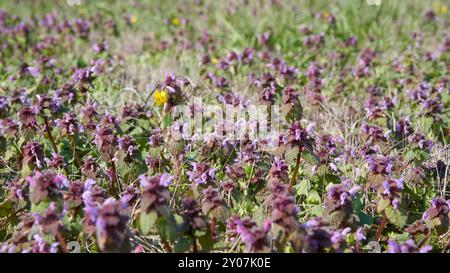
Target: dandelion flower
[(161, 97), (133, 19), (176, 21)]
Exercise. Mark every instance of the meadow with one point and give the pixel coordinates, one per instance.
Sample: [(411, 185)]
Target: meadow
[(224, 126)]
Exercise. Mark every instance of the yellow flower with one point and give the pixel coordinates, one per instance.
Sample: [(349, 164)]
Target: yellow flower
[(214, 60), (133, 19), (444, 9), (161, 97), (176, 21)]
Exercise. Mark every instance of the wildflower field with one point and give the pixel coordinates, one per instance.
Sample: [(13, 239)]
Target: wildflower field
[(224, 126)]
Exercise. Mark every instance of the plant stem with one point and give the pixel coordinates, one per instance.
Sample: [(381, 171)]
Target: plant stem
[(74, 151), (213, 226), (424, 239), (49, 135), (112, 189), (381, 227), (446, 247), (294, 174), (61, 241), (194, 245)]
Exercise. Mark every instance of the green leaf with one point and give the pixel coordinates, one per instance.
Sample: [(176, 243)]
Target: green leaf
[(167, 228), (382, 205), (410, 155), (303, 187), (183, 245), (206, 242), (5, 208), (313, 197), (167, 121), (396, 216), (317, 210), (338, 218), (147, 221), (41, 207)]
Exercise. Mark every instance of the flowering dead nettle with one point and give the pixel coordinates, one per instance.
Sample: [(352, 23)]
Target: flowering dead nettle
[(90, 167), (193, 216), (421, 142), (45, 185), (408, 246), (129, 197), (50, 221), (93, 194), (279, 171), (33, 154), (212, 200), (284, 208), (105, 139), (68, 124), (379, 164), (89, 116), (202, 173), (391, 191), (9, 127), (73, 196), (254, 237), (128, 146), (437, 216), (47, 103), (338, 203), (155, 195), (112, 228), (27, 118), (374, 133)]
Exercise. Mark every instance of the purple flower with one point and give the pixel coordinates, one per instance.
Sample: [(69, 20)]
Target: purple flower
[(57, 161), (419, 140), (339, 198), (73, 197), (112, 228), (284, 208), (409, 246), (202, 174), (437, 215), (254, 237), (155, 195), (27, 118), (100, 47), (33, 154), (279, 170), (69, 124), (380, 164), (360, 235), (211, 200), (128, 145), (106, 142), (391, 189), (318, 241), (46, 184), (89, 167), (192, 216), (93, 194), (129, 197), (50, 221)]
